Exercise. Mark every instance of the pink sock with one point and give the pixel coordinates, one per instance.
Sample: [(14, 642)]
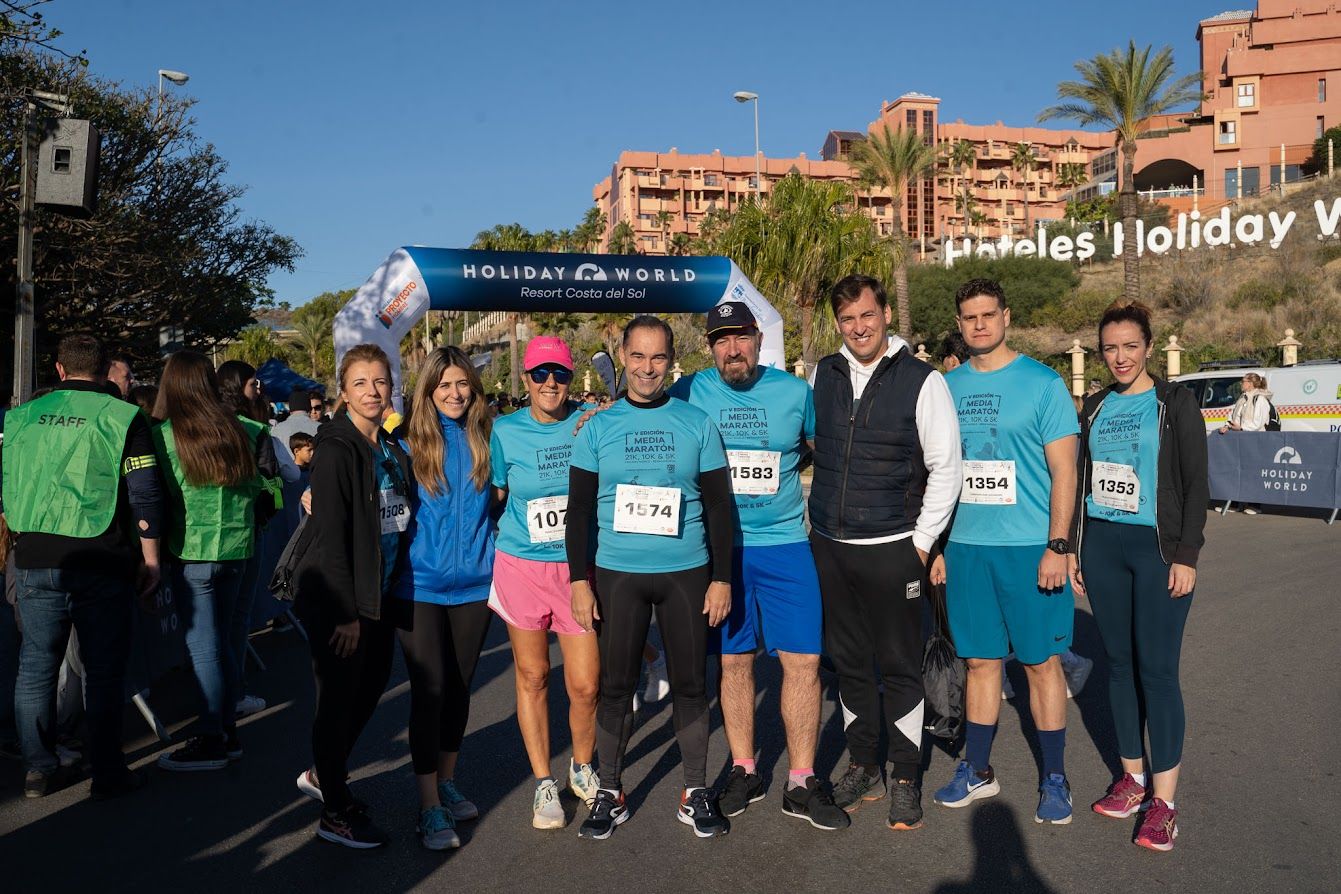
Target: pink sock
[(796, 778), (747, 763)]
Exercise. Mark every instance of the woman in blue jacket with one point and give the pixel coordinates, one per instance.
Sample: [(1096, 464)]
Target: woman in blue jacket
[(447, 589)]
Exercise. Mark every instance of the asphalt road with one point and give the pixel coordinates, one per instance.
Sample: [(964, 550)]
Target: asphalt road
[(1258, 800)]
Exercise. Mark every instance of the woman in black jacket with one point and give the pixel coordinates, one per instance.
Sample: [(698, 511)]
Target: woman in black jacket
[(1140, 511), (357, 546)]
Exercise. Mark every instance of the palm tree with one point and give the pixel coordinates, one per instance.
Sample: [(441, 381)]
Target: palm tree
[(963, 157), (1124, 90), (966, 204), (622, 239), (311, 335), (894, 158), (663, 221), (680, 244), (1024, 160), (1071, 175), (588, 234)]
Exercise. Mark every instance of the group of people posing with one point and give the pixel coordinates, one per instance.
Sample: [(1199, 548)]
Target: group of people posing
[(684, 500)]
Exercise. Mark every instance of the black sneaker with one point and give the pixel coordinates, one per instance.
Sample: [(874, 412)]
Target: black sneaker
[(607, 811), (905, 805), (350, 827), (128, 781), (699, 809), (200, 753), (815, 805), (741, 790), (232, 746), (857, 786)]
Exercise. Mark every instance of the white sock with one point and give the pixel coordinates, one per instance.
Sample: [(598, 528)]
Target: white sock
[(1171, 806), (1139, 778)]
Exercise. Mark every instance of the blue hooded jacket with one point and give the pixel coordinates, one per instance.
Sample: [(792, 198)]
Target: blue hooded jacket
[(452, 545)]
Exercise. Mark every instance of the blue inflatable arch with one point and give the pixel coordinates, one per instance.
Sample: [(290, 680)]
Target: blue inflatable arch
[(416, 279)]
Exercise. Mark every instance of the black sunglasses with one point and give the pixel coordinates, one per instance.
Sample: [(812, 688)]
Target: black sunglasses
[(541, 373)]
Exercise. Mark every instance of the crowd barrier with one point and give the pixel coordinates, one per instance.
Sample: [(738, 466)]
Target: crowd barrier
[(1276, 468)]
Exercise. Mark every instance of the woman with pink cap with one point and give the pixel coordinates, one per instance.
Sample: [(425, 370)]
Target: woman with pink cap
[(529, 452)]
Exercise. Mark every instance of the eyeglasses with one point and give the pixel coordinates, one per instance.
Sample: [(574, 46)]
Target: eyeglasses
[(541, 374)]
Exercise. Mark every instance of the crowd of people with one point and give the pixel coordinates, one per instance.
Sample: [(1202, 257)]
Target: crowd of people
[(681, 501)]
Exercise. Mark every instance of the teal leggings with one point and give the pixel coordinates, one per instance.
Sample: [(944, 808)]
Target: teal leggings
[(1142, 631)]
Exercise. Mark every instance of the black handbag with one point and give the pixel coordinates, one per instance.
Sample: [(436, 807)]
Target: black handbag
[(283, 582)]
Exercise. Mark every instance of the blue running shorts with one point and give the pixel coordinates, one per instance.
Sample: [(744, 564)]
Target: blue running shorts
[(995, 604), (776, 588)]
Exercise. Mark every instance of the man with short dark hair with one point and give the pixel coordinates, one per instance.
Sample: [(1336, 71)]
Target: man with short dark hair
[(1005, 566), (84, 532), (886, 480), (121, 374)]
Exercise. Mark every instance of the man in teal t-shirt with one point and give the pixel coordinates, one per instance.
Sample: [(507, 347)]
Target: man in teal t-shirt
[(767, 420), (1005, 566)]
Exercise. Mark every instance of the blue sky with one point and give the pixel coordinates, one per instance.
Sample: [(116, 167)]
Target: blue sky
[(359, 127)]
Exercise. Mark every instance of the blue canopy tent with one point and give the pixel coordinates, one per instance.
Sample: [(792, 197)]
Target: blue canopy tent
[(277, 379)]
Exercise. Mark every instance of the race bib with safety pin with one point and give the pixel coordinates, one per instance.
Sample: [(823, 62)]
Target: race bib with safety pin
[(1115, 486), (395, 511), (754, 471), (546, 518), (641, 509), (990, 482)]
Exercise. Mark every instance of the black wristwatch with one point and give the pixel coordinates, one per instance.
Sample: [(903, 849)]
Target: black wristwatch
[(1061, 546)]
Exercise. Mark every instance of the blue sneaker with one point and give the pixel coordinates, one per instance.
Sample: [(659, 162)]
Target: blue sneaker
[(436, 830), (456, 803), (1054, 801), (967, 786)]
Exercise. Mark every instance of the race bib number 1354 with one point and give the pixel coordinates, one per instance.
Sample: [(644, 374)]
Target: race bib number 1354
[(990, 483)]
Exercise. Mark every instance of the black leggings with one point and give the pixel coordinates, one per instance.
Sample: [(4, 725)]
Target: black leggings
[(442, 644), (873, 608), (625, 601), (348, 690)]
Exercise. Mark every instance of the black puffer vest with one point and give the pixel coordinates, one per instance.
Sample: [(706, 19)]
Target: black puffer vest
[(869, 473)]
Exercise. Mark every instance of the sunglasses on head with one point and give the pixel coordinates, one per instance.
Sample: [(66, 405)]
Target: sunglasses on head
[(541, 374)]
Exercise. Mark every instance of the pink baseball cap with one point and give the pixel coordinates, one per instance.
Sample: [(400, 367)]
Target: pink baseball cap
[(547, 349)]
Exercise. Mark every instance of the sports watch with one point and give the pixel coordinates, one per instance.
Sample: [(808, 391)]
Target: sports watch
[(1061, 546)]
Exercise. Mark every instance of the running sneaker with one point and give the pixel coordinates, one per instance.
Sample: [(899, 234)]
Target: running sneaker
[(856, 786), (350, 827), (1247, 510), (546, 811), (233, 746), (40, 783), (699, 808), (455, 802), (815, 805), (582, 780), (1054, 801), (658, 684), (68, 757), (249, 704), (308, 785), (967, 785), (1007, 690), (607, 811), (200, 753), (741, 790), (437, 831), (1076, 669), (1159, 826), (1125, 797), (905, 805)]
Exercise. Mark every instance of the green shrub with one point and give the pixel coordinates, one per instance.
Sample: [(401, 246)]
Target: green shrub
[(1030, 285)]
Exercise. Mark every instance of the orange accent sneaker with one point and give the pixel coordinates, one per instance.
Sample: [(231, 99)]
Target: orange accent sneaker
[(1125, 797), (1159, 827)]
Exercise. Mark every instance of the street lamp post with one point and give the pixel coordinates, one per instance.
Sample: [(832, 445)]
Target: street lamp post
[(177, 77), (747, 96)]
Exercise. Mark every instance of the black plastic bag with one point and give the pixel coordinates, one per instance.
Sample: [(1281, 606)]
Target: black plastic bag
[(943, 675)]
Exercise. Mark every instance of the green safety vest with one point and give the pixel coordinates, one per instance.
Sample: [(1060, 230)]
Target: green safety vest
[(62, 463), (211, 524)]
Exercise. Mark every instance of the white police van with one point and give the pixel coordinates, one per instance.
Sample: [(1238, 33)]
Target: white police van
[(1307, 396)]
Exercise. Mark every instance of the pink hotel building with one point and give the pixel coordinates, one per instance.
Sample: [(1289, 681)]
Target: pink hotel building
[(1272, 78)]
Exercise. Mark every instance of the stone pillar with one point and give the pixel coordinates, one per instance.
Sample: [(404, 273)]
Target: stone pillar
[(1173, 357), (1289, 348), (922, 354), (676, 372), (586, 380), (799, 368), (1077, 368)]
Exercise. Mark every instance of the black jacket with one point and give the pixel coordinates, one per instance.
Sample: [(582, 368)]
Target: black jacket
[(869, 473), (339, 577), (1183, 489)]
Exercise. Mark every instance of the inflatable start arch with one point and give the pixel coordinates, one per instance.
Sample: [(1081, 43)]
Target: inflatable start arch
[(416, 279)]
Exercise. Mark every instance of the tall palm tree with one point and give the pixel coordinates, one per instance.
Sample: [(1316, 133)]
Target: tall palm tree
[(1124, 89), (894, 158), (963, 157), (1071, 175), (1023, 160), (663, 220), (312, 334), (622, 239), (680, 244), (592, 229)]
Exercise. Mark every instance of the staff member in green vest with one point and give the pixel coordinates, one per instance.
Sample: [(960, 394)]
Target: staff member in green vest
[(82, 528), (212, 481)]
